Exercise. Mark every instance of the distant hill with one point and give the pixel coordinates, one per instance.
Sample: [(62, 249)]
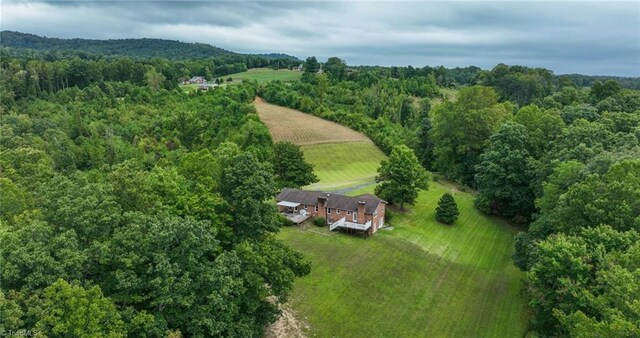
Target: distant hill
[(275, 56), (134, 48)]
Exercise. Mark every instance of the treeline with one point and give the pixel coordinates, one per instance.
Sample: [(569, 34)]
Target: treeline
[(132, 48), (32, 75), (367, 101), (133, 211), (560, 159)]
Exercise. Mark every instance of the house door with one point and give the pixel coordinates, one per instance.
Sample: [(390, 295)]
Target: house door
[(381, 222)]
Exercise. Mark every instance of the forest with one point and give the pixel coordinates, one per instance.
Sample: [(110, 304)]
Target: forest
[(145, 211), (151, 207), (132, 48)]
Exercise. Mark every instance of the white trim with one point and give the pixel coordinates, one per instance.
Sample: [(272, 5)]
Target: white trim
[(288, 204)]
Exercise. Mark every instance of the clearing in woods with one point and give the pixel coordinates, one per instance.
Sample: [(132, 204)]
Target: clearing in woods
[(341, 157), (262, 75), (421, 279)]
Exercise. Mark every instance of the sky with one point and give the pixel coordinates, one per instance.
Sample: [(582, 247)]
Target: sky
[(595, 38)]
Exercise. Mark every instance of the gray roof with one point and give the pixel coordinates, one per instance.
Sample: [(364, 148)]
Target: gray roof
[(334, 201)]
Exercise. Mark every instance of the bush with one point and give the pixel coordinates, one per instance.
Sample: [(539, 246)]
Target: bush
[(284, 221), (447, 210), (319, 222)]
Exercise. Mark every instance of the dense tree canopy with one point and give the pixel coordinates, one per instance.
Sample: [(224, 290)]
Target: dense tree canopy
[(502, 175), (462, 128), (135, 211)]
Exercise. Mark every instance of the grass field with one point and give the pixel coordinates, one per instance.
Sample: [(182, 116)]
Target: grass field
[(265, 75), (341, 157), (343, 165), (421, 279)]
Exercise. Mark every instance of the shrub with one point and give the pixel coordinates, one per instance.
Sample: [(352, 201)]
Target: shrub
[(319, 222), (447, 210), (284, 221)]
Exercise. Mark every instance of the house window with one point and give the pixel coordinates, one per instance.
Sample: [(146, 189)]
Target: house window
[(348, 212), (316, 208), (305, 206), (328, 210), (337, 211), (355, 216), (295, 208)]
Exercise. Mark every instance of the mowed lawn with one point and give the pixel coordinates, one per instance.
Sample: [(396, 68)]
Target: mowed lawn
[(421, 279), (343, 165), (265, 75)]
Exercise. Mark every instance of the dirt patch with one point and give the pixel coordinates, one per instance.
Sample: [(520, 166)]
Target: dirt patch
[(287, 326)]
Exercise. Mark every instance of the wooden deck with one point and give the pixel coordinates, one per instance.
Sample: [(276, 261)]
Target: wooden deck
[(296, 218), (342, 223)]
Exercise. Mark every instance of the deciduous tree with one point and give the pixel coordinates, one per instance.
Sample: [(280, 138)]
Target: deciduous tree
[(401, 177), (291, 170)]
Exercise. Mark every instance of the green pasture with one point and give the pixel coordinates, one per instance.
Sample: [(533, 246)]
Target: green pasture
[(421, 279), (342, 165), (263, 75)]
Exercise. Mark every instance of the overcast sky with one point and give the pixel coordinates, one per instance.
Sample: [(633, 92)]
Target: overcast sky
[(598, 38)]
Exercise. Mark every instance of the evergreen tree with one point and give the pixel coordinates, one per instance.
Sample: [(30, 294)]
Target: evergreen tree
[(447, 210)]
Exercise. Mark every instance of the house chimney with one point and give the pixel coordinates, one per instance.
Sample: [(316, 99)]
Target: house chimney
[(322, 205), (361, 219)]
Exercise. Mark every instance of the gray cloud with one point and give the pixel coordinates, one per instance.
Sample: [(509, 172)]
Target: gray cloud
[(567, 37)]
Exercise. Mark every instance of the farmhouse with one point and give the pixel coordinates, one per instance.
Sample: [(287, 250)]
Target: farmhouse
[(197, 79), (363, 213)]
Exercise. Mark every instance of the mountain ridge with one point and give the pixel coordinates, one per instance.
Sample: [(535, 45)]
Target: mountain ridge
[(130, 47)]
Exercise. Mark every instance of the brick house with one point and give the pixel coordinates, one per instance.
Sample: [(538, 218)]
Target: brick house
[(364, 213)]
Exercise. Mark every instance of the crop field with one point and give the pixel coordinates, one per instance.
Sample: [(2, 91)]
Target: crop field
[(342, 158), (291, 125), (421, 279), (265, 75)]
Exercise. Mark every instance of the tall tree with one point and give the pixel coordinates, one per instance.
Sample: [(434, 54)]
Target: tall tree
[(311, 67), (335, 69), (461, 128), (401, 177), (248, 187), (425, 147), (502, 175), (291, 170)]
